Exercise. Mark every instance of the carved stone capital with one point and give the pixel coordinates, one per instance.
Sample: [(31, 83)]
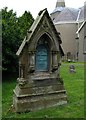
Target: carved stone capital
[(31, 69), (21, 82), (54, 68), (31, 52)]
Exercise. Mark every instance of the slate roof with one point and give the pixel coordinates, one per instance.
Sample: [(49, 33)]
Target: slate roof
[(33, 29), (68, 14), (82, 15), (58, 9)]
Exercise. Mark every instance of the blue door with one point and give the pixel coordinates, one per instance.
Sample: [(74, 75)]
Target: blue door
[(41, 58)]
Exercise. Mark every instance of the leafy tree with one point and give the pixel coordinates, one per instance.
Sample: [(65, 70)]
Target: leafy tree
[(24, 23), (13, 32), (8, 39)]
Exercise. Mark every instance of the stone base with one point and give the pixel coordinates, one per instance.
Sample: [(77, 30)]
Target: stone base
[(37, 102), (39, 96)]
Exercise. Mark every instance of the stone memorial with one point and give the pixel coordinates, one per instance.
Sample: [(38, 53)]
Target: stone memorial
[(72, 69), (39, 84)]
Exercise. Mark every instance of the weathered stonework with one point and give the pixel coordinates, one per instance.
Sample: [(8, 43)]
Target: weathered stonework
[(39, 84)]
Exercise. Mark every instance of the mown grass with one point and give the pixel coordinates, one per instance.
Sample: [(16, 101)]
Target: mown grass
[(74, 85)]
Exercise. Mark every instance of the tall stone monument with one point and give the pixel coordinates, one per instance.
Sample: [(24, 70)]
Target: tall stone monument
[(39, 84)]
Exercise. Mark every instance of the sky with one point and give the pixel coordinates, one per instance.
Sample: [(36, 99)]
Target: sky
[(34, 6)]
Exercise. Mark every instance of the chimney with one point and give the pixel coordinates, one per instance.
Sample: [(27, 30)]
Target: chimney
[(60, 3)]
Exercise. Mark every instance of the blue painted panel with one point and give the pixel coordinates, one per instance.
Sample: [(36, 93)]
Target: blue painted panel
[(41, 58)]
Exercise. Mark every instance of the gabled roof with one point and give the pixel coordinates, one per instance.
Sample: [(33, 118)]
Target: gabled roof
[(68, 14), (21, 46), (33, 29)]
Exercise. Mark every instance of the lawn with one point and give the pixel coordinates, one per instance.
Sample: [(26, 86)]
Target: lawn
[(74, 85)]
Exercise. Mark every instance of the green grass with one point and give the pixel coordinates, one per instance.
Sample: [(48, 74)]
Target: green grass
[(74, 85)]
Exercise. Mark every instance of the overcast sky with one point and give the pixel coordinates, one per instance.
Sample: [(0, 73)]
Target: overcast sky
[(34, 6)]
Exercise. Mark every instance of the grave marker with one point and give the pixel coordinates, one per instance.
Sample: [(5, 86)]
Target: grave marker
[(39, 83)]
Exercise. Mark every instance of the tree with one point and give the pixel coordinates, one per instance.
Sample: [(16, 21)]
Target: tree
[(24, 23), (13, 32)]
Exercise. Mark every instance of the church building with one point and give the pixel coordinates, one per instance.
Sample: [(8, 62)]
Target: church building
[(68, 21)]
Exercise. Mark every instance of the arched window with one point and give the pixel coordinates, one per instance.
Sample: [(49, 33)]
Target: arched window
[(42, 54)]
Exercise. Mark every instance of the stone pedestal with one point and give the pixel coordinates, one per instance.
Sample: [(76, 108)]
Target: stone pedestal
[(44, 91)]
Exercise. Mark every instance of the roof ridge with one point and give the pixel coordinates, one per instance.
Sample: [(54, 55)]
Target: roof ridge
[(72, 16), (71, 8), (21, 46), (42, 11), (72, 13), (57, 9), (36, 22)]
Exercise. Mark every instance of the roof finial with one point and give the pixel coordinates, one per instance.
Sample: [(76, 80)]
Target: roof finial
[(60, 3)]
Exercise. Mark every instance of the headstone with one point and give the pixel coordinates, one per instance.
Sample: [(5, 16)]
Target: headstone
[(39, 84), (72, 69)]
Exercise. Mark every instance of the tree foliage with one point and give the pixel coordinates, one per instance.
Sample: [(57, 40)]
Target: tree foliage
[(14, 30)]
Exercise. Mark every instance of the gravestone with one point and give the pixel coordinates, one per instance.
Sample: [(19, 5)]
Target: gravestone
[(39, 84), (72, 69)]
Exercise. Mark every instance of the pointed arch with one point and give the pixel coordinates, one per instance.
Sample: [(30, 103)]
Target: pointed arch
[(46, 36), (42, 57)]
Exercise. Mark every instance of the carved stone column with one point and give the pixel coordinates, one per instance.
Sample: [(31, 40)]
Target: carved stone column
[(31, 64), (21, 80), (21, 71), (54, 61)]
